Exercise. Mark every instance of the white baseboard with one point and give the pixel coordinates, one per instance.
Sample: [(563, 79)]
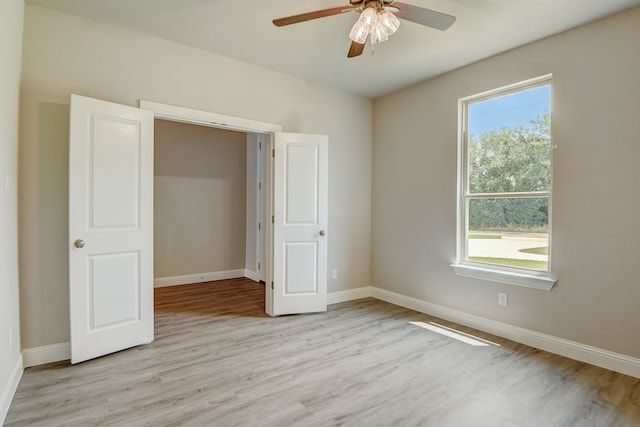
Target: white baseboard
[(9, 389), (187, 279), (250, 274), (585, 353), (348, 295), (46, 354)]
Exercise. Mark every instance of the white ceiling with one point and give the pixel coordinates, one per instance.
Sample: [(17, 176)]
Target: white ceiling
[(316, 50)]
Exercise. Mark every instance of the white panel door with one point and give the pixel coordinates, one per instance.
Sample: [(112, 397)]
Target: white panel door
[(300, 223), (110, 227)]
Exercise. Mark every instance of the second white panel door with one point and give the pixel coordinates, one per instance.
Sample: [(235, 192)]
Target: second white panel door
[(300, 223)]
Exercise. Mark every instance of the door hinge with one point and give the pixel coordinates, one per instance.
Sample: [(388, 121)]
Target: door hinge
[(273, 152), (272, 284), (273, 221), (259, 186), (260, 146), (258, 266), (259, 225)]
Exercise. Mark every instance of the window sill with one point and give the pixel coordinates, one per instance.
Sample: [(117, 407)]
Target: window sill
[(542, 283)]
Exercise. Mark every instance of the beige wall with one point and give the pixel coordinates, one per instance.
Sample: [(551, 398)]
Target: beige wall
[(65, 54), (199, 199), (10, 53), (596, 234)]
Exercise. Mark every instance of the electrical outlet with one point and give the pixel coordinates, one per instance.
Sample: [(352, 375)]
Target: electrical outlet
[(334, 274), (502, 298)]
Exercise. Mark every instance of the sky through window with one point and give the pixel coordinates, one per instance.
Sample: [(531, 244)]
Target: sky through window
[(512, 110)]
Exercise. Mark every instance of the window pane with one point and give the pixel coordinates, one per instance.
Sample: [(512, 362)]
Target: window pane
[(509, 143), (509, 231)]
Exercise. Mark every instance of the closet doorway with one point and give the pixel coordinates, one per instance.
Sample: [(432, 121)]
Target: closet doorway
[(291, 246), (209, 203)]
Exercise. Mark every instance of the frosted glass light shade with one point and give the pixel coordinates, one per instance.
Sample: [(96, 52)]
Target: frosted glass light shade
[(388, 22), (367, 21), (369, 16), (378, 35), (359, 32)]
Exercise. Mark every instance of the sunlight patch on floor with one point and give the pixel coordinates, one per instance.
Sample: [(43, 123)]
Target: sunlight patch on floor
[(457, 335)]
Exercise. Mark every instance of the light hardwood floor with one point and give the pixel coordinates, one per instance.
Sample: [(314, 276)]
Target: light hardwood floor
[(218, 360)]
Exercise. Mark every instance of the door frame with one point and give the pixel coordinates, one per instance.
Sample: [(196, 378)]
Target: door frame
[(261, 205), (222, 121)]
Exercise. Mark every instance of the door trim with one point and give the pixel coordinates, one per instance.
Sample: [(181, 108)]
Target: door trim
[(206, 118), (222, 121)]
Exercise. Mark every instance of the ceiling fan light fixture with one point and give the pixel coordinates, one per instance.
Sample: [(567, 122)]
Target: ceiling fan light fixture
[(379, 24)]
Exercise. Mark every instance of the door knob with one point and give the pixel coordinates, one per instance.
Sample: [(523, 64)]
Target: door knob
[(79, 243), (322, 232)]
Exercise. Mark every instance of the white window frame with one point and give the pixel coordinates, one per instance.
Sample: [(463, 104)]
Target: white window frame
[(541, 280)]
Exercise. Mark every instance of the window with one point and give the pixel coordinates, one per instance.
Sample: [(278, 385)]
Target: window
[(504, 205)]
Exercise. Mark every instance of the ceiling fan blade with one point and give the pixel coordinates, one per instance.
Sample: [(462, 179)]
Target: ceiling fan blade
[(312, 15), (355, 49), (430, 18)]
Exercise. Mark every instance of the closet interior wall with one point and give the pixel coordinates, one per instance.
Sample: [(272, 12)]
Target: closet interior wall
[(200, 202)]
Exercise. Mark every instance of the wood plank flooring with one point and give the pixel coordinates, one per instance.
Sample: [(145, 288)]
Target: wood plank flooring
[(218, 360)]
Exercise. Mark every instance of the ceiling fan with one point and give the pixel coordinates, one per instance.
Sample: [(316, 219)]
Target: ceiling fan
[(378, 20)]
